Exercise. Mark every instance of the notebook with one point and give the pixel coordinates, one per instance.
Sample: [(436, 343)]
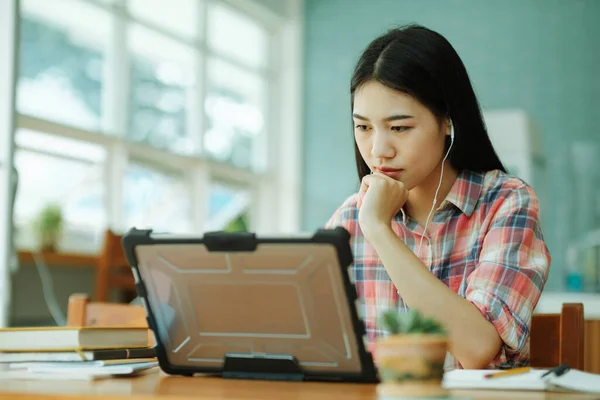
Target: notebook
[(93, 372), (572, 380), (108, 354), (71, 338), (77, 364)]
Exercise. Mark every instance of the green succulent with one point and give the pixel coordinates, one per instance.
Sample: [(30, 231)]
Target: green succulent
[(49, 225), (398, 323)]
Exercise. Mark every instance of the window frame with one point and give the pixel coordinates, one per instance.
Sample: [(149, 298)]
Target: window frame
[(9, 28)]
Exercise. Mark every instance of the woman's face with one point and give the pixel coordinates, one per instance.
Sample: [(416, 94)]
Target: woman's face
[(396, 134)]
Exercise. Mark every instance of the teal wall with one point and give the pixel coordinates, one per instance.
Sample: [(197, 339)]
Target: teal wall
[(540, 56)]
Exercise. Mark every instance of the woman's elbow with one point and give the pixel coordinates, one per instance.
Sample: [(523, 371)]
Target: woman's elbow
[(480, 355)]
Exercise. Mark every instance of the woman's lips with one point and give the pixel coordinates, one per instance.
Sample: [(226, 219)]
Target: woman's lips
[(391, 172)]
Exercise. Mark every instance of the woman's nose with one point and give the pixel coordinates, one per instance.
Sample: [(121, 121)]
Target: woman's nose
[(381, 147)]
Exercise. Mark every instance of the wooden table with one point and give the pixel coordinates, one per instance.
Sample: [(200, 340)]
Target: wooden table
[(156, 385)]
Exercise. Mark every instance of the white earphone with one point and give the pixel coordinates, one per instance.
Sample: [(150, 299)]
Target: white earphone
[(438, 188)]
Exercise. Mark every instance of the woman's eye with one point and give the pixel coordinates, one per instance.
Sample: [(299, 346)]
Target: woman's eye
[(400, 128), (362, 127)]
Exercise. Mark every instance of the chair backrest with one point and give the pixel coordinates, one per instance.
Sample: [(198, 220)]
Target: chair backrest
[(558, 338), (83, 312), (112, 269)]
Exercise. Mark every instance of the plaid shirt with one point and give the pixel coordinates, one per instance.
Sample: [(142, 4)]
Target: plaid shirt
[(485, 244)]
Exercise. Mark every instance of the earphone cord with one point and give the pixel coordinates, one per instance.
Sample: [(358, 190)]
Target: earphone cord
[(435, 197)]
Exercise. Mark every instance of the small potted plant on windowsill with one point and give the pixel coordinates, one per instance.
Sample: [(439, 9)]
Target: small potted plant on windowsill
[(49, 226), (411, 359)]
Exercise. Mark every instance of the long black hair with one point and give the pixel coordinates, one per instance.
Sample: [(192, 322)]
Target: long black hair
[(423, 64)]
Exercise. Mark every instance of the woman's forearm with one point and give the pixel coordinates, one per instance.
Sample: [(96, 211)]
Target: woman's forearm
[(474, 341)]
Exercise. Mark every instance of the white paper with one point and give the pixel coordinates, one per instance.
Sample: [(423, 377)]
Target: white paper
[(74, 373), (475, 379), (572, 380), (579, 381), (94, 370)]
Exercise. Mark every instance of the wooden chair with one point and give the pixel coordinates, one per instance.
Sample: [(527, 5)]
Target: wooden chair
[(112, 269), (558, 338), (550, 302), (83, 312), (592, 346)]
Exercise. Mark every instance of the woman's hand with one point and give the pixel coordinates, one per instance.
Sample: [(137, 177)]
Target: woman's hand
[(380, 199)]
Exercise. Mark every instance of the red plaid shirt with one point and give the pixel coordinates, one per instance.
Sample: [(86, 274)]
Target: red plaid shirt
[(485, 244)]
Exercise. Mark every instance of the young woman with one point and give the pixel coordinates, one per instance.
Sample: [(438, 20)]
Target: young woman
[(438, 225)]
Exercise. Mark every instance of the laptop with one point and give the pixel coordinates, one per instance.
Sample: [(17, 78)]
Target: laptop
[(239, 305)]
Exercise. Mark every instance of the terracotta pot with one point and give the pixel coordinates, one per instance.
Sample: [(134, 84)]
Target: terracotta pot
[(48, 243), (411, 365)]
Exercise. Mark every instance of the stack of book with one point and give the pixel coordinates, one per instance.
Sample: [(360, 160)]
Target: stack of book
[(74, 352)]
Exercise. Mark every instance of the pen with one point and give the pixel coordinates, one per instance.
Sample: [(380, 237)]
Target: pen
[(514, 371), (558, 371)]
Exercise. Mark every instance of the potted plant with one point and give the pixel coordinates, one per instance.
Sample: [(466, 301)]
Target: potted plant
[(411, 359), (49, 226)]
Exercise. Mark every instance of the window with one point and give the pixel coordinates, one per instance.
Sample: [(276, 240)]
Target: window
[(162, 91), (177, 16), (228, 208), (235, 111), (63, 52), (237, 36), (145, 113), (156, 199), (59, 171)]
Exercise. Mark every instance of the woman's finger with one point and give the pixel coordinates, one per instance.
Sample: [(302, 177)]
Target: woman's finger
[(365, 183), (364, 186)]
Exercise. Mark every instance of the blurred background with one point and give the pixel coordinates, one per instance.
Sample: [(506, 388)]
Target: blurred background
[(195, 115)]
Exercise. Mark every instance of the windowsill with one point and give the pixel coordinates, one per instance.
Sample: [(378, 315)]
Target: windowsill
[(59, 259), (551, 303)]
